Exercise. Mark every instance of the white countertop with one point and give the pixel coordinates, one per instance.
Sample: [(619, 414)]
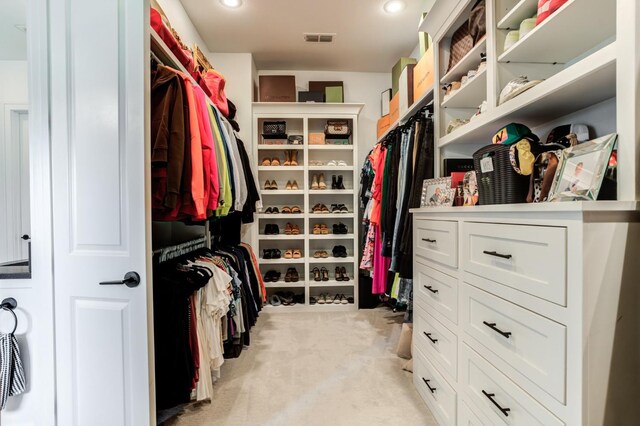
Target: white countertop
[(563, 206)]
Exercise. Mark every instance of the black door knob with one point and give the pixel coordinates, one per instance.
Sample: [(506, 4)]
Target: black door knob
[(131, 279)]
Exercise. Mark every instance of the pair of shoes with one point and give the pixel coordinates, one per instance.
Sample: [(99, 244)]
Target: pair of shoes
[(271, 254), (316, 163), (271, 229), (292, 276), (321, 254), (285, 298), (339, 251), (341, 274), (317, 182), (291, 158), (272, 210), (291, 210), (270, 185), (320, 208), (275, 161), (515, 36), (291, 229), (320, 228), (292, 185), (340, 229), (337, 183), (321, 274), (516, 87), (339, 208), (340, 299), (292, 254), (337, 163), (272, 276)]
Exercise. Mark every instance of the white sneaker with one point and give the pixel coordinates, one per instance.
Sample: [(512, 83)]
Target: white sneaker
[(332, 163), (342, 163), (516, 87)]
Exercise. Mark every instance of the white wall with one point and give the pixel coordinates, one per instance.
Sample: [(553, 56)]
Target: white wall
[(359, 87), (13, 93)]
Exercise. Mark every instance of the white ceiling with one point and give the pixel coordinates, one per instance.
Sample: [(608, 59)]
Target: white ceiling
[(13, 42), (368, 39)]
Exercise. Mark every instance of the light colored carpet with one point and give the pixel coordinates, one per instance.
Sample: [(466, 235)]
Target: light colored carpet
[(316, 369)]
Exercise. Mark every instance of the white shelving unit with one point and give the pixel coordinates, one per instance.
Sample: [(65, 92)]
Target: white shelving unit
[(303, 118)]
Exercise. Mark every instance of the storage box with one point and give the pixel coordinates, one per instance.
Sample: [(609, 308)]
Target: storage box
[(406, 88), (394, 108), (423, 75), (333, 94), (395, 73), (311, 97), (277, 88), (320, 86), (383, 125), (316, 138)]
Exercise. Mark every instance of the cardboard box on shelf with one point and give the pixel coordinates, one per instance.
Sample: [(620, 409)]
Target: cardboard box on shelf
[(406, 88), (395, 73), (277, 88), (383, 125), (394, 108), (423, 74)]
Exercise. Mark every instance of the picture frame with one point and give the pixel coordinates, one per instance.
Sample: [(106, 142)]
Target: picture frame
[(581, 170), (437, 193), (470, 189)]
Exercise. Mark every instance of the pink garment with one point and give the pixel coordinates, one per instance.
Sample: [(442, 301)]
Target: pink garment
[(367, 253), (211, 183), (380, 265), (376, 187)]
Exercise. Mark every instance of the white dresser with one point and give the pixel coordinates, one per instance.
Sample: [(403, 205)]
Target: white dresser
[(528, 314)]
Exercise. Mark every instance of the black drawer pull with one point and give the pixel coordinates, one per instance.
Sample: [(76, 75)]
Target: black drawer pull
[(504, 411), (428, 240), (431, 289), (496, 254), (429, 337), (492, 325), (426, 382)]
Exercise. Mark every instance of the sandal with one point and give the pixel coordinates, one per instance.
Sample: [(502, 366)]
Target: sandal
[(345, 276), (266, 162), (297, 254), (286, 210), (275, 161), (338, 274), (288, 254), (316, 274), (325, 274), (296, 209)]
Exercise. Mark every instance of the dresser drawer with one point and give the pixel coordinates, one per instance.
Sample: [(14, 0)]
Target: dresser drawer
[(533, 345), (434, 390), (437, 342), (467, 417), (531, 259), (434, 290), (436, 240), (499, 398)]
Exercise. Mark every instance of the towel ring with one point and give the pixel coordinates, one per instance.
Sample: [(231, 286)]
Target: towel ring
[(9, 304)]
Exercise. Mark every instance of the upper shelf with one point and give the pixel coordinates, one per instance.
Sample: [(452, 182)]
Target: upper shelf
[(303, 108), (470, 61), (577, 27), (518, 13), (580, 85)]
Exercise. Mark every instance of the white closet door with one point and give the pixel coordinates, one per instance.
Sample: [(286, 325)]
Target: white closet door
[(98, 86)]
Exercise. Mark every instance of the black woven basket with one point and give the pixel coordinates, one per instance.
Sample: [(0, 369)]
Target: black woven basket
[(502, 185)]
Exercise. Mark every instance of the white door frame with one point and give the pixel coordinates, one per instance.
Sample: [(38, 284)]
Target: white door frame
[(35, 295)]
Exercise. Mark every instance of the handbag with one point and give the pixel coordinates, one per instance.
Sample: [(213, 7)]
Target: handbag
[(337, 128), (274, 128), (478, 21), (461, 44)]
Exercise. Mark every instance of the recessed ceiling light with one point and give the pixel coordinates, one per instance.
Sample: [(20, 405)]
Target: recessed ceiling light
[(231, 3), (394, 6)]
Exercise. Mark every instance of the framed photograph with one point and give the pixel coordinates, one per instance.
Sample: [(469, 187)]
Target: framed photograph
[(581, 169), (470, 189), (437, 193)]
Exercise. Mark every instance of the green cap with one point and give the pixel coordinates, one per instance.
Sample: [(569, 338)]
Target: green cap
[(512, 133)]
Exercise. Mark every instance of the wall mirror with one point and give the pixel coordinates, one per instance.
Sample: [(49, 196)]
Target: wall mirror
[(15, 245)]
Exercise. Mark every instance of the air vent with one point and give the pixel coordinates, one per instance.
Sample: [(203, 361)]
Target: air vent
[(319, 37)]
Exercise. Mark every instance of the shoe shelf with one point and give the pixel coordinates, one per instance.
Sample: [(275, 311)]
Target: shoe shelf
[(585, 83), (551, 42), (330, 191), (330, 168), (329, 147), (282, 192), (331, 236), (522, 10), (470, 61), (282, 260), (297, 308), (331, 259), (281, 216), (281, 237), (330, 215), (471, 94), (281, 147), (331, 283), (283, 284), (280, 168)]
